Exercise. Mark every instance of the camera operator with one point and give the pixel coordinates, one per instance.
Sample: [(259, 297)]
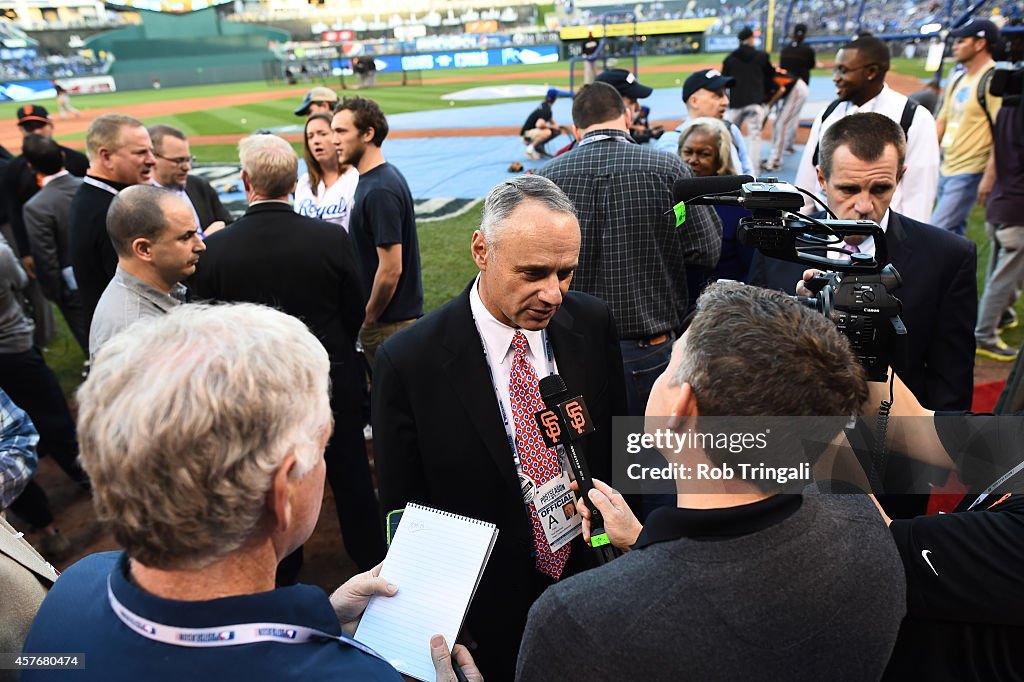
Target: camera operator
[(861, 163), (965, 595)]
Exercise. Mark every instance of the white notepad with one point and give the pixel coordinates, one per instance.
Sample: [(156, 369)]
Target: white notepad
[(436, 559)]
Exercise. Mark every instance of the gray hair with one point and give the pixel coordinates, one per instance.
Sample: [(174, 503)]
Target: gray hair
[(185, 419), (716, 128), (137, 212), (270, 163), (105, 133), (506, 197)]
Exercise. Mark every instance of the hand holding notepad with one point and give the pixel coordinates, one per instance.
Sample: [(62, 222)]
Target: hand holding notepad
[(437, 560)]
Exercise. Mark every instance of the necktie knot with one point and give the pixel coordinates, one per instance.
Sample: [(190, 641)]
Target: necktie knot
[(519, 343)]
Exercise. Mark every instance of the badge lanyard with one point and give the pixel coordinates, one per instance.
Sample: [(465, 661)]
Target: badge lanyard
[(602, 137), (509, 430), (1002, 479), (235, 634), (99, 184)]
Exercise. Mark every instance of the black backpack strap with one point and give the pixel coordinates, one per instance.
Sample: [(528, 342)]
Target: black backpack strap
[(828, 112), (909, 109), (983, 84)]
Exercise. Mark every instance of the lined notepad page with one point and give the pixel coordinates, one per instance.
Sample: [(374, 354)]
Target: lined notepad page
[(436, 559)]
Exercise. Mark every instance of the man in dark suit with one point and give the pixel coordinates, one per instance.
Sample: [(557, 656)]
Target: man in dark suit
[(442, 386), (20, 183), (47, 221), (120, 155), (173, 162), (307, 268), (861, 161)]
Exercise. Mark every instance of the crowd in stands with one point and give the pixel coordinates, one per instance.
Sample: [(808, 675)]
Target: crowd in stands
[(235, 363), (50, 67)]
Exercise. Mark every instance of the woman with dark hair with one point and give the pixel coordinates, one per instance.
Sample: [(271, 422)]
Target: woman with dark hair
[(705, 146), (327, 189)]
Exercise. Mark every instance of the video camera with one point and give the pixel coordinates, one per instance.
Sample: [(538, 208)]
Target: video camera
[(855, 292), (1007, 82)]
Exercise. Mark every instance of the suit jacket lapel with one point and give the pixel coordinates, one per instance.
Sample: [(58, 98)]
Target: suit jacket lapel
[(466, 368), (900, 249), (568, 345)]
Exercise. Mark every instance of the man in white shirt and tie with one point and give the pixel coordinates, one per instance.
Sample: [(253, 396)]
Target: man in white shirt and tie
[(454, 397), (859, 77), (173, 162), (862, 161)]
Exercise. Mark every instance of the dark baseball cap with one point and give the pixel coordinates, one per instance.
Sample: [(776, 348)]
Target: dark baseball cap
[(33, 112), (318, 94), (708, 79), (978, 28), (626, 83), (745, 32)]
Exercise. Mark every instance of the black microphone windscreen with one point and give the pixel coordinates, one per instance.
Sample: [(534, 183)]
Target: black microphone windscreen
[(686, 189), (552, 386)]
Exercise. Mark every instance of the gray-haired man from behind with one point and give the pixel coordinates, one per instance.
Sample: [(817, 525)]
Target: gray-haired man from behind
[(157, 242), (207, 485)]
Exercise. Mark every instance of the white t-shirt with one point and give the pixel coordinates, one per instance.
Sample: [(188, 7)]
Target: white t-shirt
[(333, 204)]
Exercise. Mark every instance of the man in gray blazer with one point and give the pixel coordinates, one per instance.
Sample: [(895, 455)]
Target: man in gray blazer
[(47, 220)]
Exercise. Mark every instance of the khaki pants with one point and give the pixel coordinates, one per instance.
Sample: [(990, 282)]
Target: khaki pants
[(375, 336)]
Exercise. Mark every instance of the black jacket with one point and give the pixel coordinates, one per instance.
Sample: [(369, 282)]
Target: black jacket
[(755, 77), (439, 439)]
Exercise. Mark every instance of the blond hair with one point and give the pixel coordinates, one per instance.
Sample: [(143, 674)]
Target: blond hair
[(270, 163), (105, 133)]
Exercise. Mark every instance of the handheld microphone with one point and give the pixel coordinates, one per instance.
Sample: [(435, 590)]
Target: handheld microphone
[(691, 190), (565, 420)]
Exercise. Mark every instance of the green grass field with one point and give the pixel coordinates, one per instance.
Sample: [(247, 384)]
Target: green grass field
[(277, 108), (444, 245)]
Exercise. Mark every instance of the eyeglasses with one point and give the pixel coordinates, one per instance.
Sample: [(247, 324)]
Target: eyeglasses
[(842, 70), (178, 161)]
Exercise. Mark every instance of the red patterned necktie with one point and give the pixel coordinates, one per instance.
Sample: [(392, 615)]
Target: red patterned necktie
[(538, 461)]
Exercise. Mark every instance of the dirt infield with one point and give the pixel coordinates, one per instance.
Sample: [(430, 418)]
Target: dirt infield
[(12, 138)]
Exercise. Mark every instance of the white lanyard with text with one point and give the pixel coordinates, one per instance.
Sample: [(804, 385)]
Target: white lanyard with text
[(1002, 479), (509, 429), (99, 184), (226, 635), (602, 137)]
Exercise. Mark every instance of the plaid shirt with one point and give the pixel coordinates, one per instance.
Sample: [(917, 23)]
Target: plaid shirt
[(18, 440), (631, 254)]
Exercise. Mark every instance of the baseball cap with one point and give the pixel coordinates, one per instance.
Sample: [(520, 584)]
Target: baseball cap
[(708, 79), (745, 32), (551, 94), (978, 28), (33, 112), (319, 94), (626, 83)]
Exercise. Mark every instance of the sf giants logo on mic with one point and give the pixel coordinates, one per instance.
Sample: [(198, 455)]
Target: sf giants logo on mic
[(576, 417), (550, 427)]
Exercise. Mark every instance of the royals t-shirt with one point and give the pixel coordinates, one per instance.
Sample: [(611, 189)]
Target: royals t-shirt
[(333, 204)]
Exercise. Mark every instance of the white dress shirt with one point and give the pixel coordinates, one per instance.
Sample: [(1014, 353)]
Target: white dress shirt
[(868, 245), (497, 339), (915, 193)]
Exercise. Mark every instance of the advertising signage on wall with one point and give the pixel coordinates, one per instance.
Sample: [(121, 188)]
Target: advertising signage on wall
[(172, 6), (499, 56)]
